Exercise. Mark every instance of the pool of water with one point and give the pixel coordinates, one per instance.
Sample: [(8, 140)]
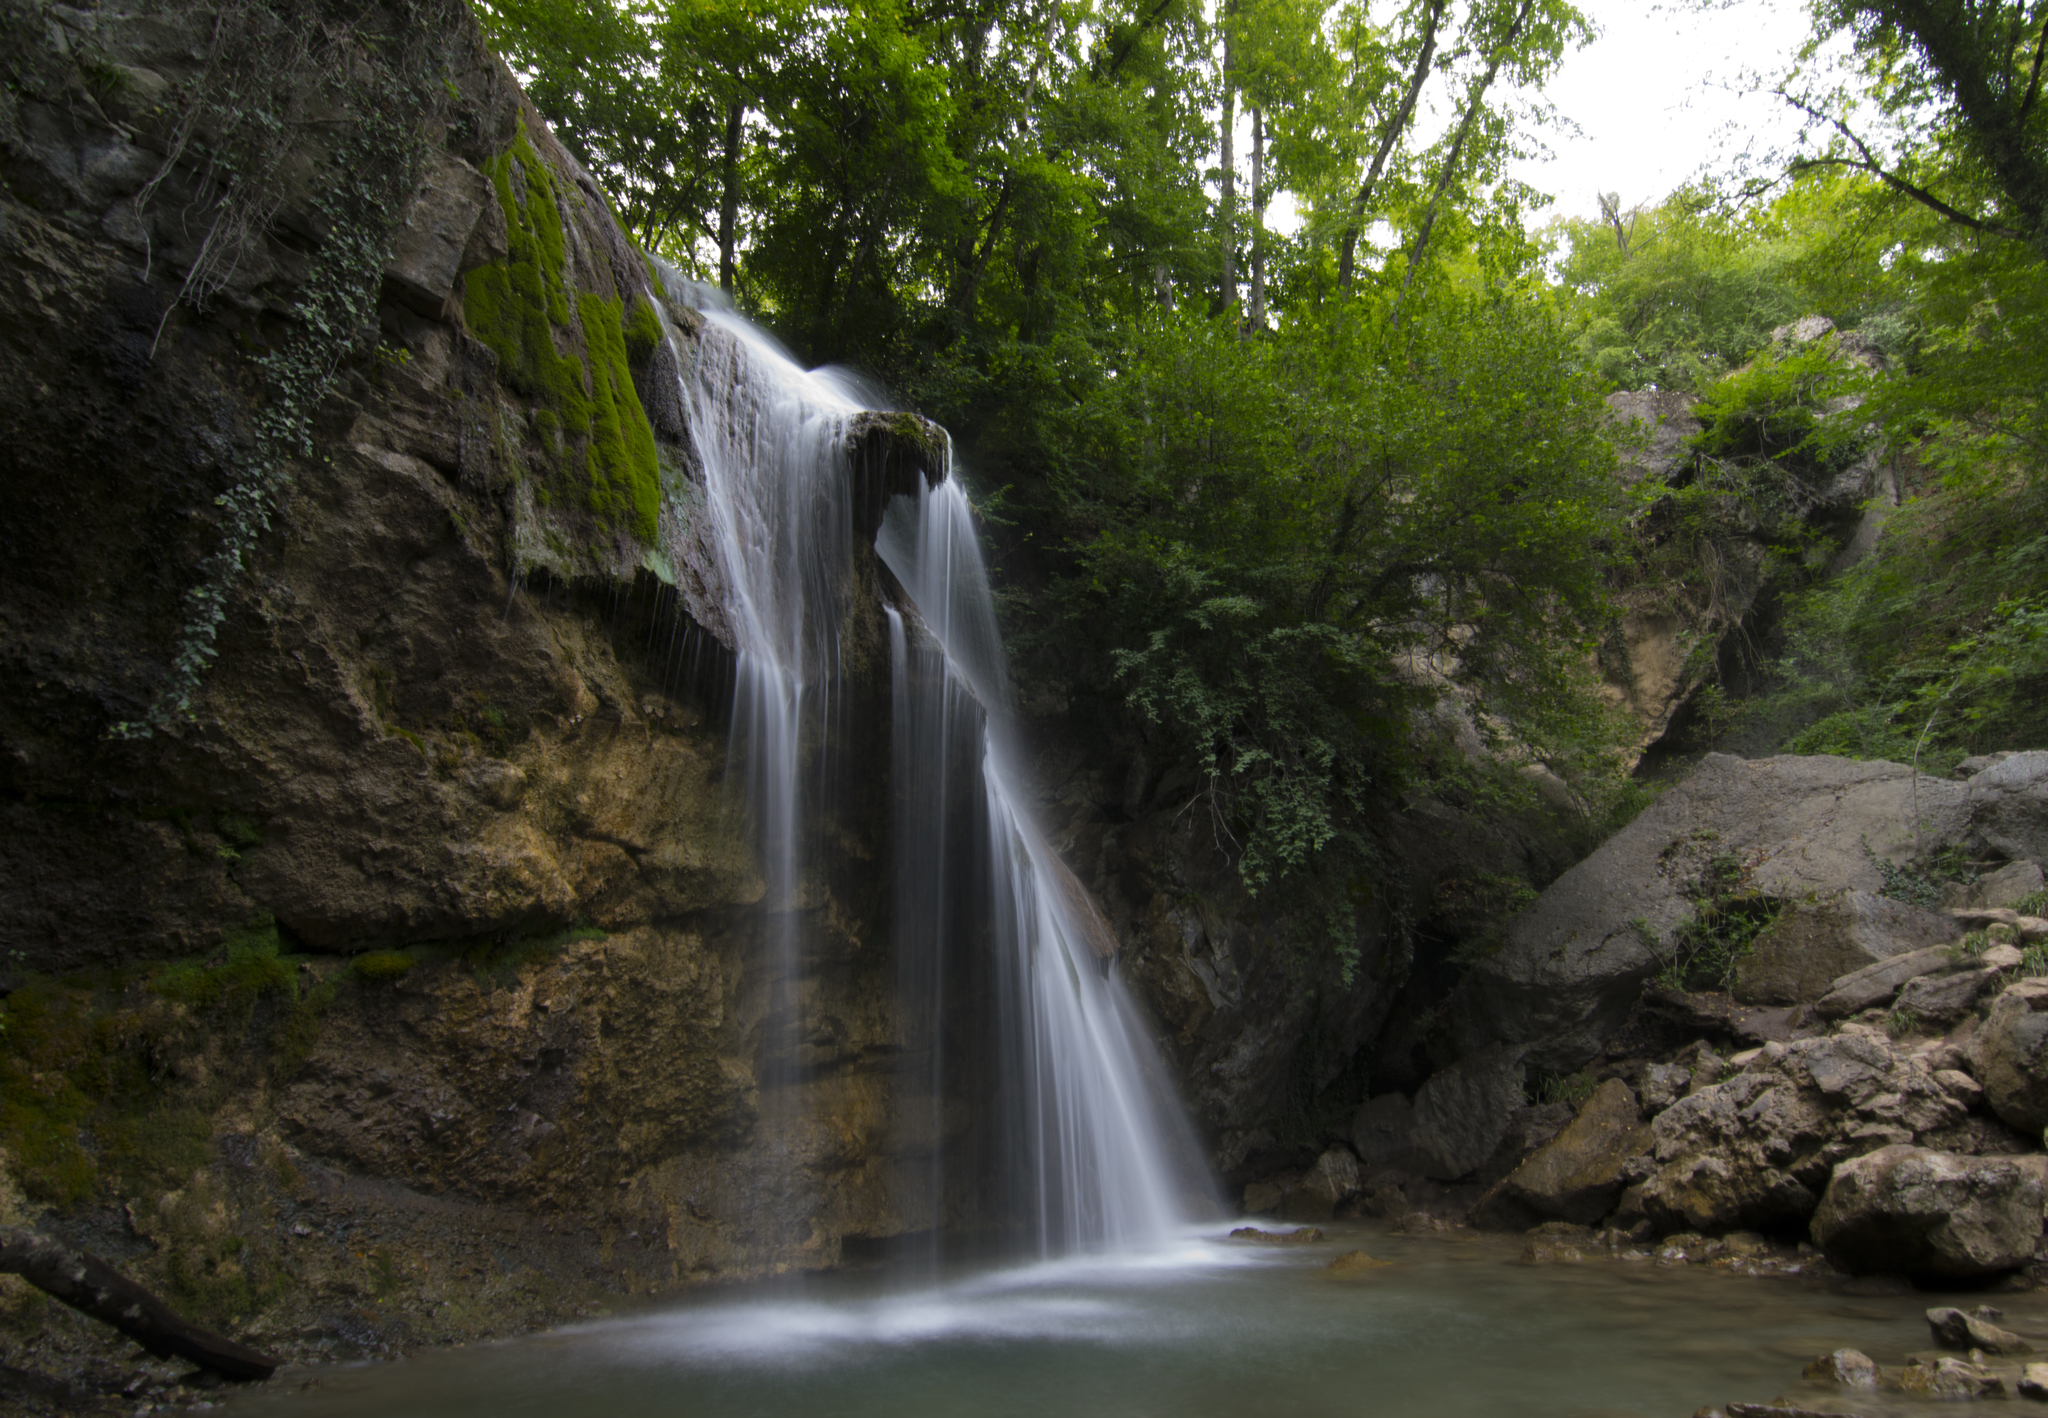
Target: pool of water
[(1454, 1326)]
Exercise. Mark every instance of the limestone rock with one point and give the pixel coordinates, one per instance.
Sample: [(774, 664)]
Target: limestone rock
[(1934, 1214), (1756, 1150), (1802, 954), (1943, 999), (1959, 1329), (1875, 984), (2009, 1055), (1845, 1368), (1578, 1175), (427, 248), (1355, 1263), (2009, 884), (2034, 1382), (1462, 1113), (1333, 1179), (1950, 1379), (1574, 963), (2008, 806), (1383, 1130), (1663, 1085)]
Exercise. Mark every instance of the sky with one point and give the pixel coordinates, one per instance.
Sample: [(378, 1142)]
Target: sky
[(1652, 99)]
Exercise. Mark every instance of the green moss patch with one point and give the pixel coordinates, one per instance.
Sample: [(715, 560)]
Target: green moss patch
[(588, 417), (377, 965), (108, 1084)]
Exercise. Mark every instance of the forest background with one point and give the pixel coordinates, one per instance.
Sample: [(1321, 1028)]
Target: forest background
[(1262, 502)]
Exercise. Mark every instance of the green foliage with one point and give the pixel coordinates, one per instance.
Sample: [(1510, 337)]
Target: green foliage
[(1573, 1088), (1922, 886), (1706, 950), (1680, 294), (1268, 540)]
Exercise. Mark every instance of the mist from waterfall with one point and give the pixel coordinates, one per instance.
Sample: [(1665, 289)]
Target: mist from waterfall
[(1092, 1150)]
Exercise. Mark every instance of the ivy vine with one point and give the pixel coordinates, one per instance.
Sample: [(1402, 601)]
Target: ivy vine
[(389, 86)]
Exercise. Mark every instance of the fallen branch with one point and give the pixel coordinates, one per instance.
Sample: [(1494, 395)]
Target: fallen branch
[(90, 1285)]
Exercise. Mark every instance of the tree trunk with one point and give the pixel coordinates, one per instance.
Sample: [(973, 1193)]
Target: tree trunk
[(729, 200), (1258, 221), (1390, 134), (89, 1284), (1227, 295), (1452, 159)]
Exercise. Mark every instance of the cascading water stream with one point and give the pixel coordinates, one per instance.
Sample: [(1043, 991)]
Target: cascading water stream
[(1093, 1147)]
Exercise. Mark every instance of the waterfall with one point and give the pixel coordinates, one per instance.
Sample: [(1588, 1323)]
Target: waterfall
[(1092, 1151)]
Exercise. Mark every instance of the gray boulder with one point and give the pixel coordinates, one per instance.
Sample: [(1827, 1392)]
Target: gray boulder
[(1334, 1176), (2009, 1055), (1812, 944), (1462, 1113), (1756, 1150), (1943, 999), (1578, 1175), (1574, 963), (1960, 1329), (428, 246), (1383, 1131), (1875, 984), (2010, 883), (2008, 806), (1935, 1214)]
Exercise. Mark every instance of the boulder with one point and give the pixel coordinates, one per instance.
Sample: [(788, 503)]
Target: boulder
[(1936, 1215), (1330, 1181), (1663, 1085), (1948, 1378), (1811, 945), (1462, 1113), (1960, 1329), (1943, 999), (1574, 963), (2034, 1382), (1876, 984), (1578, 1175), (2013, 882), (2009, 1055), (1845, 1368), (1755, 1151), (427, 247), (2008, 806), (1383, 1131)]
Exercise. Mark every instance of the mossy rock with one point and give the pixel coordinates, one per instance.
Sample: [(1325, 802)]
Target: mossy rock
[(569, 351)]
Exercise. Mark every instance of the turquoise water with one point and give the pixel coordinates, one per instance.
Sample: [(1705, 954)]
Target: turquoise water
[(1454, 1326)]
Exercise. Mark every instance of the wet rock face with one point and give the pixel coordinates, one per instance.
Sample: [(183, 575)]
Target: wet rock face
[(428, 726), (1936, 1214)]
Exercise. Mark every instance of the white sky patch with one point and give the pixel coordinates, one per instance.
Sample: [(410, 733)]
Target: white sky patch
[(1656, 99)]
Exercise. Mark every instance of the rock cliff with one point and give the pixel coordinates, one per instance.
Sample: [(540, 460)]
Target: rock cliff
[(362, 710)]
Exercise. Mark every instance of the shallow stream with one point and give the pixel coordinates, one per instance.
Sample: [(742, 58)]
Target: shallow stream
[(1454, 1326)]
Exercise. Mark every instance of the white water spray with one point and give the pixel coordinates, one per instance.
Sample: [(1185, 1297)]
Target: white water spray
[(1094, 1146)]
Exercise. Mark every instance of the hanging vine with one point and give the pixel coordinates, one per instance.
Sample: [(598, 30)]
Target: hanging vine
[(270, 69)]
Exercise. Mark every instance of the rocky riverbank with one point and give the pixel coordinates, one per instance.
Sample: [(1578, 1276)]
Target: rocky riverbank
[(1869, 1082)]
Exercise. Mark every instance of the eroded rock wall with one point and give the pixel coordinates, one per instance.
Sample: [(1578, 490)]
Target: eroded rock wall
[(467, 716)]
